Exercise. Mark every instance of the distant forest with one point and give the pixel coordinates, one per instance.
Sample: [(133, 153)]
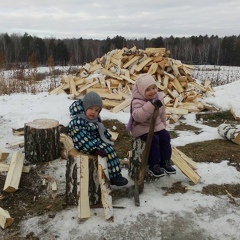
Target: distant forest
[(19, 50)]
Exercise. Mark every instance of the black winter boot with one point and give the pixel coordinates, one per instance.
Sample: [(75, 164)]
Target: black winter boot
[(119, 181), (167, 167)]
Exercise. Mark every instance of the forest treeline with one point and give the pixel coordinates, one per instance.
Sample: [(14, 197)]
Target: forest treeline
[(18, 49)]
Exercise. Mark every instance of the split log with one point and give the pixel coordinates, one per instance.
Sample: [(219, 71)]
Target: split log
[(14, 172), (88, 183), (230, 132), (5, 218), (42, 140), (179, 159), (73, 178)]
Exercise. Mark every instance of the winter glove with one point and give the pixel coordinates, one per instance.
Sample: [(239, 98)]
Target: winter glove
[(157, 103), (100, 152)]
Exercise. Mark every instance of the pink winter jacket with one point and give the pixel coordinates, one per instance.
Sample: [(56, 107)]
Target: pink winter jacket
[(142, 111)]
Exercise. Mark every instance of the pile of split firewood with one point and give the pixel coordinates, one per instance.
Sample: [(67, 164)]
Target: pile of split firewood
[(113, 75)]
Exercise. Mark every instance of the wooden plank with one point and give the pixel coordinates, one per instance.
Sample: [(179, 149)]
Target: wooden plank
[(155, 50), (153, 68), (200, 87), (114, 135), (184, 167), (83, 203), (177, 85), (121, 106), (14, 173), (130, 62), (187, 159), (112, 96), (67, 142), (72, 85), (5, 168), (15, 144), (85, 87), (179, 111), (55, 90), (5, 219), (106, 192), (94, 68), (3, 154), (140, 66), (110, 74), (108, 103), (127, 79)]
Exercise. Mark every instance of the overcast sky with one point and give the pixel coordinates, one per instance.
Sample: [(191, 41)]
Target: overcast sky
[(127, 18)]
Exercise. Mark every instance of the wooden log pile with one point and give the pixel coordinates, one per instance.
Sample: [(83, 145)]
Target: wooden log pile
[(113, 75)]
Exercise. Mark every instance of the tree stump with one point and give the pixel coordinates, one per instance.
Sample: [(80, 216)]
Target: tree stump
[(88, 183), (41, 140), (73, 178), (230, 132), (135, 159)]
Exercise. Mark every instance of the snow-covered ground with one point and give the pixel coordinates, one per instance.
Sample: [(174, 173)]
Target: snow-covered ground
[(175, 216)]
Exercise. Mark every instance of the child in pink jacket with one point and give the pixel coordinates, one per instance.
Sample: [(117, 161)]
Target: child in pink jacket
[(145, 97)]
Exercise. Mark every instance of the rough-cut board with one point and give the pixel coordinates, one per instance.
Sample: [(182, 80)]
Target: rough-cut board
[(106, 192), (5, 218), (230, 132), (83, 201), (14, 172), (42, 140)]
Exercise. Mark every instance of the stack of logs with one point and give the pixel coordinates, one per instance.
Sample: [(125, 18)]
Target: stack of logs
[(113, 75)]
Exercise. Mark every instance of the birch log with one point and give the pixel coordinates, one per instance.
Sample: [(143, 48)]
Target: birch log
[(42, 140), (230, 132), (73, 178)]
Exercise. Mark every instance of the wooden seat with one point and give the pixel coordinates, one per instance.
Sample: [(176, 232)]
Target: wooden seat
[(87, 181)]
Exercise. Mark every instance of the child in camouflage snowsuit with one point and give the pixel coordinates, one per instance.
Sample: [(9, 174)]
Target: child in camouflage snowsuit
[(91, 137)]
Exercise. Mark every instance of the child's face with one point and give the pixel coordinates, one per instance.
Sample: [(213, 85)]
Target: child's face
[(93, 112), (151, 92)]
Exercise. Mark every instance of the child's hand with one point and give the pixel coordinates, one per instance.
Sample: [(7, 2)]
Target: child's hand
[(157, 103), (100, 152)]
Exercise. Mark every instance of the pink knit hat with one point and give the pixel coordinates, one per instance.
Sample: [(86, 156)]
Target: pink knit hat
[(144, 81)]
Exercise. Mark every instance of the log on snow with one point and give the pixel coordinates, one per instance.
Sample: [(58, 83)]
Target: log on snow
[(42, 140), (230, 132)]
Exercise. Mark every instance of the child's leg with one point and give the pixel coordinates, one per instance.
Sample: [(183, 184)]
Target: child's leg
[(165, 151), (113, 162), (165, 148), (154, 157)]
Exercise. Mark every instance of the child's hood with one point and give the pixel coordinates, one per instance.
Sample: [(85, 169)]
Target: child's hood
[(142, 83), (76, 108)]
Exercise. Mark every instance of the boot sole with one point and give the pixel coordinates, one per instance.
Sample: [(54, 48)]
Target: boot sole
[(168, 172), (152, 174)]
